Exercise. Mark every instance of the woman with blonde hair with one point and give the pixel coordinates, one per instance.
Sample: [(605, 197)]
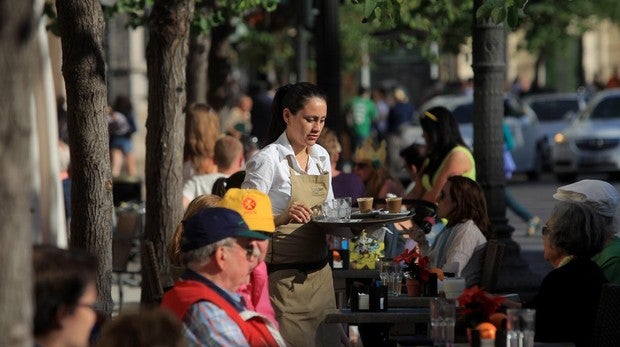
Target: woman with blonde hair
[(344, 184), (369, 165), (202, 129)]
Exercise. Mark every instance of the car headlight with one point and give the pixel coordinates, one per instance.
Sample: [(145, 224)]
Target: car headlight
[(559, 138)]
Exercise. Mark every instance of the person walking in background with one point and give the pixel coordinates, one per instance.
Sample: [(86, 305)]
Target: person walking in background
[(362, 113), (448, 155), (603, 198), (532, 221), (400, 113), (380, 98), (121, 126), (237, 122), (228, 157), (296, 173), (202, 129), (65, 296), (344, 184), (261, 109)]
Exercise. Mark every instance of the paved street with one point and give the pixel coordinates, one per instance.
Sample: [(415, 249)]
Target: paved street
[(537, 196)]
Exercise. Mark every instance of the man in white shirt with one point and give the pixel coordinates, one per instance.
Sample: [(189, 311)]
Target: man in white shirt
[(228, 156)]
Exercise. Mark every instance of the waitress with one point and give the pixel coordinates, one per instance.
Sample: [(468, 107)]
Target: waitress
[(295, 172)]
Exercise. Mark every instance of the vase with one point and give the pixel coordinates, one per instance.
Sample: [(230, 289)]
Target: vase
[(413, 287)]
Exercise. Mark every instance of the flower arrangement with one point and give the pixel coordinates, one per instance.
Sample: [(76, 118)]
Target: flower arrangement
[(416, 266), (478, 306)]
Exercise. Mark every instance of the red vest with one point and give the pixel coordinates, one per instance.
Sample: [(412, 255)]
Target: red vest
[(186, 293)]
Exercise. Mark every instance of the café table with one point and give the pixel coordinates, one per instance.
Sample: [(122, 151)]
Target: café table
[(374, 326)]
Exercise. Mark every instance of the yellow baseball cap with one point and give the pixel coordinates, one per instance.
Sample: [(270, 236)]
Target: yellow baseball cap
[(253, 205)]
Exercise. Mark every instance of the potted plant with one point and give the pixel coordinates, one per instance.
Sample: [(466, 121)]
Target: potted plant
[(477, 308), (415, 270)]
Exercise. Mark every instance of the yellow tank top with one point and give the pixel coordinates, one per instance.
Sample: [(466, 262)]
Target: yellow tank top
[(427, 183)]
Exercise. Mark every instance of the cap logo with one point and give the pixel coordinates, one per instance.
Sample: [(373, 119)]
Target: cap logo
[(249, 203)]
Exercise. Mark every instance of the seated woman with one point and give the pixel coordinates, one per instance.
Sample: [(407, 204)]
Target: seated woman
[(344, 184), (568, 296), (461, 201), (369, 165)]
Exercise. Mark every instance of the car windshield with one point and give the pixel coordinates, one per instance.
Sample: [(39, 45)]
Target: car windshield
[(548, 110), (608, 108), (464, 113)]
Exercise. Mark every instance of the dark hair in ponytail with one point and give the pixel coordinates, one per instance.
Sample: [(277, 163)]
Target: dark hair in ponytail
[(293, 97)]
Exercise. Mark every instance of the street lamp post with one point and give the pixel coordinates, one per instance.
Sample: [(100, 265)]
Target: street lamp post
[(489, 49)]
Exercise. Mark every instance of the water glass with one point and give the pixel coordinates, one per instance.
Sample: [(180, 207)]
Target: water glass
[(330, 210), (344, 207), (520, 326), (443, 317)]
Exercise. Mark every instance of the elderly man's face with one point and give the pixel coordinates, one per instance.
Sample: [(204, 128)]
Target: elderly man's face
[(245, 257)]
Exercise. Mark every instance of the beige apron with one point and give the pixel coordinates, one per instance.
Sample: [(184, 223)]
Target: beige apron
[(302, 288)]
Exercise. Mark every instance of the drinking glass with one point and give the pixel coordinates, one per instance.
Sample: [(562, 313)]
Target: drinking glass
[(520, 326), (443, 316), (344, 207)]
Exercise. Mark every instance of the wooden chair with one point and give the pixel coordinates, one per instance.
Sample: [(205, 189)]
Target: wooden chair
[(124, 241), (151, 271), (607, 321), (491, 265)]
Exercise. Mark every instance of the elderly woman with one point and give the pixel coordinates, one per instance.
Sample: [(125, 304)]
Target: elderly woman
[(568, 296)]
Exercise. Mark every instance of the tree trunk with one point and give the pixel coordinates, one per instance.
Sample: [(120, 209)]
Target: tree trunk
[(17, 75), (81, 28), (166, 61), (197, 65), (220, 66)]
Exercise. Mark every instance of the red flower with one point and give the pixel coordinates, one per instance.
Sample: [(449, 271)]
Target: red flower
[(416, 265), (478, 305)]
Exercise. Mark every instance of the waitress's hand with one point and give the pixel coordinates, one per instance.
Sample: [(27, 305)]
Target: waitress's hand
[(297, 212)]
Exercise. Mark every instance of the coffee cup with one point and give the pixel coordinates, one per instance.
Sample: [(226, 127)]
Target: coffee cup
[(394, 204), (365, 204)]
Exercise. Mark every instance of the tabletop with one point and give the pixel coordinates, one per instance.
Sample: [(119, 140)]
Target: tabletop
[(391, 316)]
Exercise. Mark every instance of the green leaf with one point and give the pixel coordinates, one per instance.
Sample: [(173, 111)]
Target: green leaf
[(513, 17), (369, 7)]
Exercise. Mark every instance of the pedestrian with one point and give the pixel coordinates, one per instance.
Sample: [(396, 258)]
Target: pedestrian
[(363, 112), (532, 221), (296, 173)]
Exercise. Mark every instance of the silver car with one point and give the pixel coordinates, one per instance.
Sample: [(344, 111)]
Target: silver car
[(591, 143), (555, 111), (529, 140)]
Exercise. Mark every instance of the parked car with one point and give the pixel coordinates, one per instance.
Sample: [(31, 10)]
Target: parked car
[(529, 140), (555, 111), (591, 143)]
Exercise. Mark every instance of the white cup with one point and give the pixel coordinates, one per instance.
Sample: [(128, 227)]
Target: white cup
[(453, 287)]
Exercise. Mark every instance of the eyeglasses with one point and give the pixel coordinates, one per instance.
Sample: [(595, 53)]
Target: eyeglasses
[(430, 116), (360, 165), (249, 249)]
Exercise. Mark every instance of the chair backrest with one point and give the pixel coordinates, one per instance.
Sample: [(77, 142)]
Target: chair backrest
[(491, 265), (151, 270), (607, 322), (128, 230), (482, 269)]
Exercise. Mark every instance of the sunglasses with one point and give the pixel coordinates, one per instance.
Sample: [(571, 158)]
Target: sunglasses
[(249, 249)]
